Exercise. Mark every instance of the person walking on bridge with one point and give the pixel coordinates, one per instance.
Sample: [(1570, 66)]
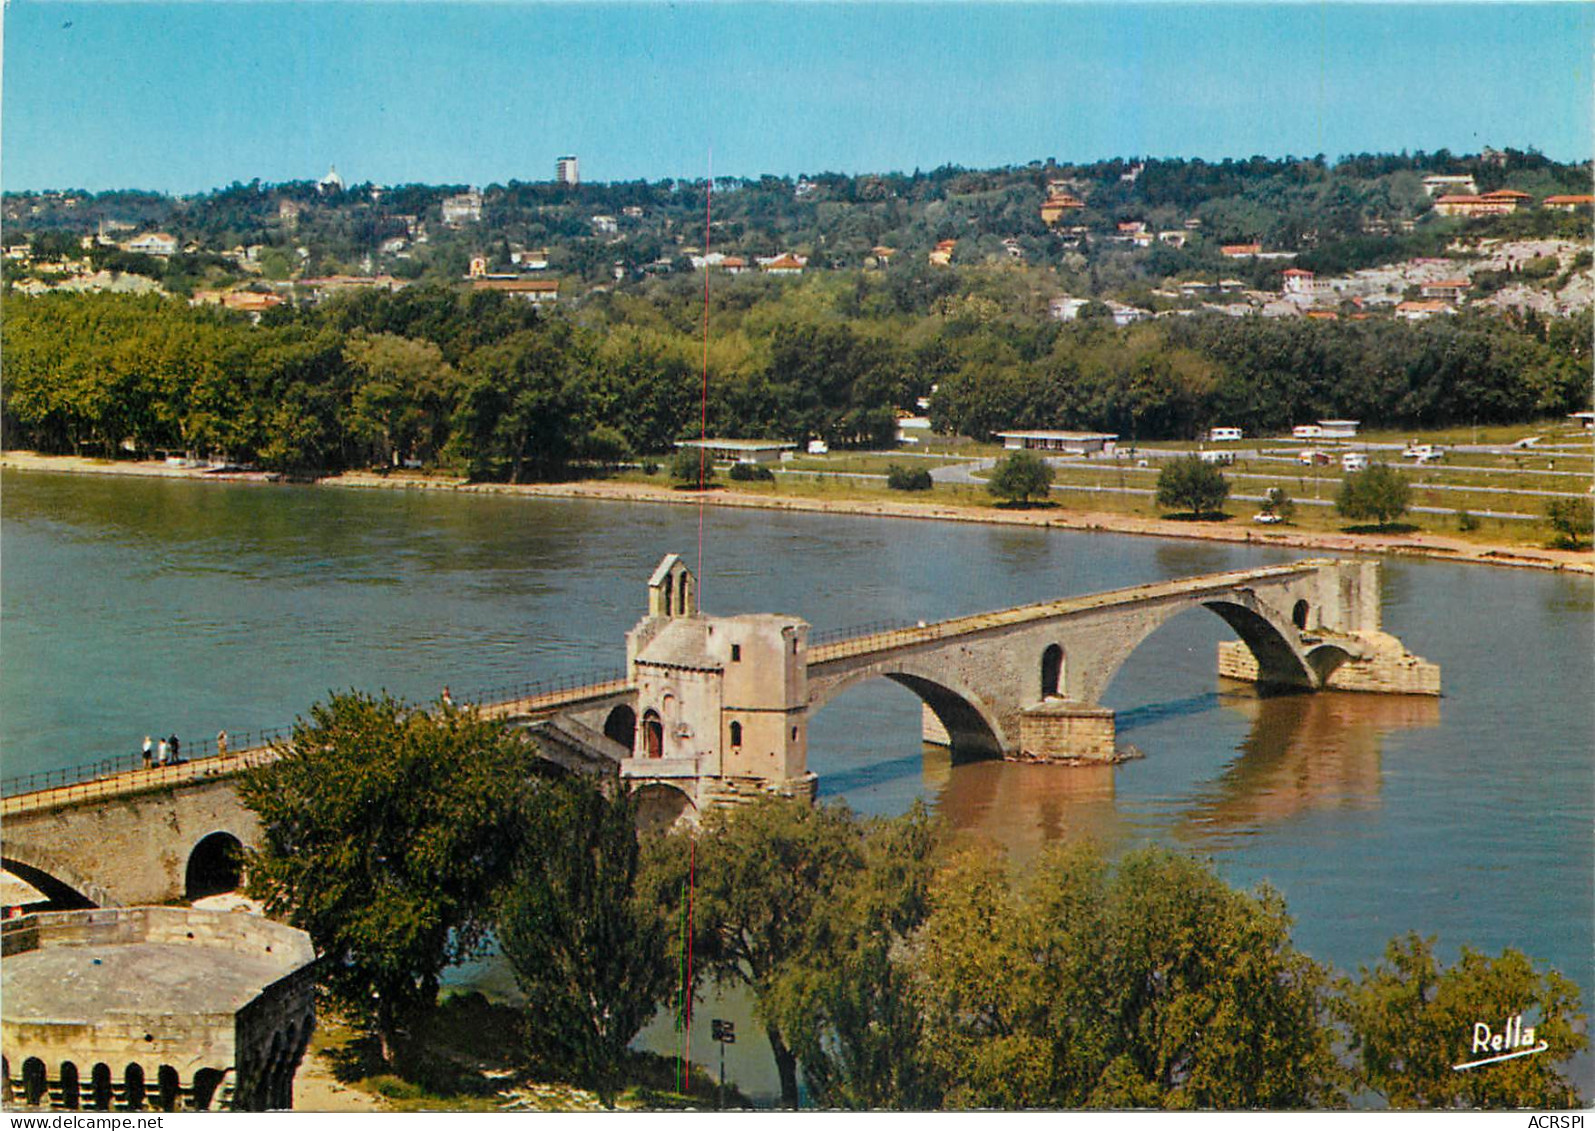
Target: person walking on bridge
[(149, 752), (176, 747), (164, 755)]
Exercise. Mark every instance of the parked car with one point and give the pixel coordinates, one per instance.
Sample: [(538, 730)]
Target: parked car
[(1354, 461), (1312, 456), (1267, 517)]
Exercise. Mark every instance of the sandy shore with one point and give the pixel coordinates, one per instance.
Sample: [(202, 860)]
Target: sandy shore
[(1417, 543)]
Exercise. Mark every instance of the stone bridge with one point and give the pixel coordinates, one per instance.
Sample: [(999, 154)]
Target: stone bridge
[(713, 710), (723, 703)]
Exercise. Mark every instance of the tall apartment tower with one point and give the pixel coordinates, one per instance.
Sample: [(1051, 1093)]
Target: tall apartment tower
[(565, 171)]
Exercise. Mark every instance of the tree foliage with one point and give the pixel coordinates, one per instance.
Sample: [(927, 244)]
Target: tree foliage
[(900, 478), (1378, 492), (1192, 484), (384, 832), (1573, 520), (1020, 478), (1148, 984), (1411, 1021), (590, 956), (763, 874)]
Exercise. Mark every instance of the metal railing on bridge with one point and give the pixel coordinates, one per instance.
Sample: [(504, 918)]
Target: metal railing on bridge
[(540, 688), (88, 772), (199, 758)]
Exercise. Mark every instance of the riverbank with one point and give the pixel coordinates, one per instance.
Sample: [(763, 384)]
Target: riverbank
[(1411, 543)]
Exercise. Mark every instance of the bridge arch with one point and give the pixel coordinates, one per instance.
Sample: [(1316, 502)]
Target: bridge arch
[(972, 728), (215, 865), (661, 805), (1266, 632), (66, 890)]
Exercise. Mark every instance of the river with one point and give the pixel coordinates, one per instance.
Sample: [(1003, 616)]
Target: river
[(148, 606)]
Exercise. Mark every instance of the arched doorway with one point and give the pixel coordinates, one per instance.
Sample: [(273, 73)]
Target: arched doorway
[(100, 1085), (69, 1086), (621, 725), (34, 1081), (653, 735), (1298, 614), (1051, 671), (215, 866)]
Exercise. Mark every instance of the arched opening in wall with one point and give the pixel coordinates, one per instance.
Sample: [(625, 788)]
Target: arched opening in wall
[(169, 1087), (69, 1086), (1051, 671), (215, 866), (736, 734), (621, 726), (206, 1081), (133, 1087), (670, 594), (61, 896), (1298, 614), (34, 1081), (661, 807), (653, 734), (100, 1087)]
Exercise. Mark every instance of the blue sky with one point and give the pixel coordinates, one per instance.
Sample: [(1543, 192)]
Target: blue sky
[(188, 96)]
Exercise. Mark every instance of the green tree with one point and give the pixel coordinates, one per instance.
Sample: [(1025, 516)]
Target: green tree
[(591, 959), (1192, 484), (400, 402), (1019, 478), (1148, 984), (848, 1005), (762, 875), (385, 830), (1411, 1021), (1572, 519), (692, 467), (523, 406), (900, 478), (1379, 492)]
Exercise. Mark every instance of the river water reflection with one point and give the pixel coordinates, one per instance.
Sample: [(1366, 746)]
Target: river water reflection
[(134, 607)]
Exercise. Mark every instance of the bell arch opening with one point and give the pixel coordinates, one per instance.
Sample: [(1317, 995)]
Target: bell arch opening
[(215, 866)]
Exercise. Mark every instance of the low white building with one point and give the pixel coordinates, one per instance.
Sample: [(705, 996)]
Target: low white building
[(740, 451), (1338, 429), (1068, 443)]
